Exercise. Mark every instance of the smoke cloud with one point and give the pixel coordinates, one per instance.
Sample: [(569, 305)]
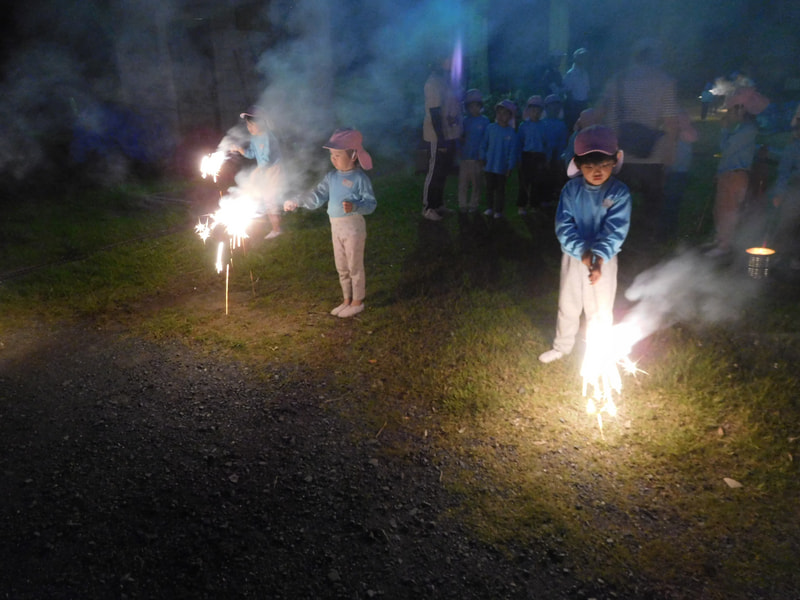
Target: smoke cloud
[(688, 288)]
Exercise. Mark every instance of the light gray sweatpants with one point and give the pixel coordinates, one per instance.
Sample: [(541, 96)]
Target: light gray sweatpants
[(349, 236), (576, 295)]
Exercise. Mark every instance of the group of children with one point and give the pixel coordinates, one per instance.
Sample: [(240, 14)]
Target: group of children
[(490, 151), (346, 190)]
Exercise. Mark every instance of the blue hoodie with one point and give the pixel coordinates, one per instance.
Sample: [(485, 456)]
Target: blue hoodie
[(339, 186)]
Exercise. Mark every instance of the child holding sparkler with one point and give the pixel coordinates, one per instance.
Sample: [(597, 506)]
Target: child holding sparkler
[(592, 221), (348, 192), (267, 178)]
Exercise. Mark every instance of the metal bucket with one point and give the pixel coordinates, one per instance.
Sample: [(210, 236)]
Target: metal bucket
[(758, 262)]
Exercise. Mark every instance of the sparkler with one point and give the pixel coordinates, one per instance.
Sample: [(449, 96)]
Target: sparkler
[(607, 350), (212, 163)]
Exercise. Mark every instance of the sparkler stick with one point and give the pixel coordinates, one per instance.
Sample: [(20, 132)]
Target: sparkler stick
[(227, 274)]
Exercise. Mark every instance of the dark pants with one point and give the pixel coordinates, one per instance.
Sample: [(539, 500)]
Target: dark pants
[(648, 180), (496, 191), (440, 164), (532, 179), (572, 110)]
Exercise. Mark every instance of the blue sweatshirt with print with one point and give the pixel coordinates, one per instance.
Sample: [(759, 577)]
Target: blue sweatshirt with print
[(499, 149), (593, 217), (339, 186), (473, 135)]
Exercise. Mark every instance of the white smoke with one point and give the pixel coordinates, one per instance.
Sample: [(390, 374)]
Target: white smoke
[(688, 288)]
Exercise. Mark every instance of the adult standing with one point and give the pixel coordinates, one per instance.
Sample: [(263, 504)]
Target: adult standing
[(640, 103), (441, 129), (576, 88)]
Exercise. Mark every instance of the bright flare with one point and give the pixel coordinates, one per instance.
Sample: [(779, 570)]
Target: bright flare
[(607, 349), (212, 163)]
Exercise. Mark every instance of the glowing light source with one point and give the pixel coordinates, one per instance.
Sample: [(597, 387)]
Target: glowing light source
[(212, 163), (607, 350)]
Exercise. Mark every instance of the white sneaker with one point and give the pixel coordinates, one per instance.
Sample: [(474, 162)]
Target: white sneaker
[(550, 356), (431, 215), (272, 235), (488, 212), (339, 308), (350, 310), (498, 215)]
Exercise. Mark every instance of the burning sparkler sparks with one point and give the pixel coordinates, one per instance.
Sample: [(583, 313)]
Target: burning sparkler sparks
[(212, 163), (607, 350)]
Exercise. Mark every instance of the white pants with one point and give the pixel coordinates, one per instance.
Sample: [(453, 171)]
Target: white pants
[(576, 295), (470, 184), (349, 236)]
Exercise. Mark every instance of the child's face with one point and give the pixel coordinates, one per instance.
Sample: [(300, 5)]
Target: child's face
[(474, 109), (598, 173), (343, 160), (535, 112), (502, 116), (253, 127)]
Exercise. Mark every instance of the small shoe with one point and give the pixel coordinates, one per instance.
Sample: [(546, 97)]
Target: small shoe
[(340, 308), (272, 235), (431, 215), (550, 356), (498, 215), (522, 212), (350, 310), (488, 212)]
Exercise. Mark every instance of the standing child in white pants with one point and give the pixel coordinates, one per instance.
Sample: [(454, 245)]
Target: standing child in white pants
[(348, 192), (592, 222)]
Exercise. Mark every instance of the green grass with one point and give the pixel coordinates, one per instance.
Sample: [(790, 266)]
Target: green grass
[(446, 353)]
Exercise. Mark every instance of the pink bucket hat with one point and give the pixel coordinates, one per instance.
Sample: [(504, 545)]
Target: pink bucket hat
[(553, 98), (350, 139), (595, 138), (473, 95), (587, 118), (753, 102), (255, 112), (508, 105), (535, 100)]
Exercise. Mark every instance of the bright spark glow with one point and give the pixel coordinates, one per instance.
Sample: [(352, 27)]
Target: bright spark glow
[(212, 163), (607, 350), (220, 250), (203, 230)]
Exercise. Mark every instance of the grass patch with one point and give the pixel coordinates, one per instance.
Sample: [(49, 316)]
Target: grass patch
[(446, 353)]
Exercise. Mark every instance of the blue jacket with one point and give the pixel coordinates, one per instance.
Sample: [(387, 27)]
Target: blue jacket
[(338, 186), (532, 137), (499, 149), (738, 146), (473, 135), (264, 148), (593, 217), (555, 131)]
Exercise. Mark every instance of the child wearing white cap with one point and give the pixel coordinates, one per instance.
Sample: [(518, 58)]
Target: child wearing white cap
[(592, 221), (348, 192)]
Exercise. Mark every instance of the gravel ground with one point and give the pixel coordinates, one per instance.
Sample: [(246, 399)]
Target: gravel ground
[(140, 470)]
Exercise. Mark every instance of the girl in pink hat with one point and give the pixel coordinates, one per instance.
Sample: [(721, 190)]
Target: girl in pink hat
[(348, 192)]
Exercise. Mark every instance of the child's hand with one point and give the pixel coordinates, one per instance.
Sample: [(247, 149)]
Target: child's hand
[(290, 206), (348, 206), (595, 270)]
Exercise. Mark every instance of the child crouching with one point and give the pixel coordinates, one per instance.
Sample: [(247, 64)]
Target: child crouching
[(348, 193)]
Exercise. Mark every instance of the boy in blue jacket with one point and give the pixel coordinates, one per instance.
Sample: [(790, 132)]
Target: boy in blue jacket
[(499, 154), (592, 221)]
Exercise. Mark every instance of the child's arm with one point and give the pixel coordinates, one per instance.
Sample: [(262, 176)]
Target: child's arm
[(615, 226), (311, 200)]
